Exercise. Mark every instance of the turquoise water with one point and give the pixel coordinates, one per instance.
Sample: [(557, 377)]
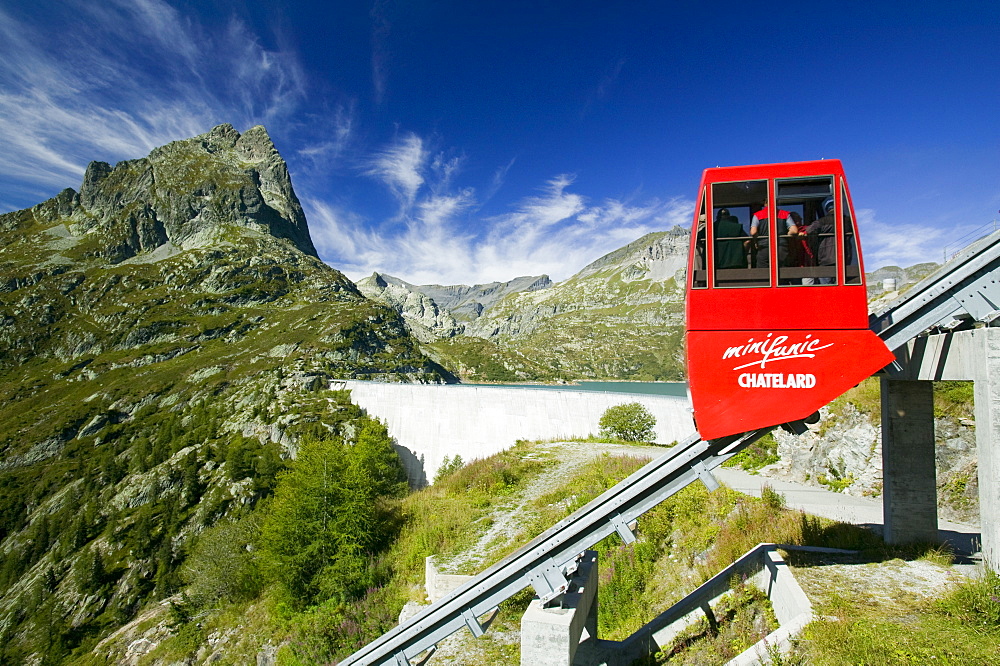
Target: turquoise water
[(651, 388)]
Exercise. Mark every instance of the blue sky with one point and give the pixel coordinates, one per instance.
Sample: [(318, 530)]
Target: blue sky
[(467, 142)]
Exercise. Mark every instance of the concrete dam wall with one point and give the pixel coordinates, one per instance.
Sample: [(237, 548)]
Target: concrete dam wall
[(431, 421)]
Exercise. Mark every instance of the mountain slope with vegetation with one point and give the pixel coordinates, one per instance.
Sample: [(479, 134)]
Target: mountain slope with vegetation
[(167, 336), (620, 317)]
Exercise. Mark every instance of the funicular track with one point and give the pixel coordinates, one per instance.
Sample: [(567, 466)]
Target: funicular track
[(964, 291)]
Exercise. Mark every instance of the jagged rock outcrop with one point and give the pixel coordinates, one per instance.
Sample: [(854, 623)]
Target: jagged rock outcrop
[(844, 453), (633, 276), (620, 317), (466, 303), (657, 256), (180, 196), (434, 311), (424, 318)]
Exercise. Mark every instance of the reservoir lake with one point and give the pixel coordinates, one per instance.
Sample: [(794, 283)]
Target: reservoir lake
[(678, 389)]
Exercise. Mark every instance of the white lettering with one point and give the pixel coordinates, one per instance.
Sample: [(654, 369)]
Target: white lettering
[(732, 351), (774, 380), (773, 348)]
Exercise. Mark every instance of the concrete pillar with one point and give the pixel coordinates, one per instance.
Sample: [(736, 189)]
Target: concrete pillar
[(909, 478), (987, 397), (551, 636)]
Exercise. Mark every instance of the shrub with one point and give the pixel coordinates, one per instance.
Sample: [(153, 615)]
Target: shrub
[(761, 453), (631, 422), (222, 564)]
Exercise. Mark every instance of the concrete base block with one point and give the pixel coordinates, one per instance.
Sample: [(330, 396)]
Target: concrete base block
[(909, 477), (439, 585), (551, 636)]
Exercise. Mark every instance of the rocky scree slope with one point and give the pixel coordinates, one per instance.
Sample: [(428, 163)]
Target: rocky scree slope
[(167, 333), (620, 317), (844, 451)]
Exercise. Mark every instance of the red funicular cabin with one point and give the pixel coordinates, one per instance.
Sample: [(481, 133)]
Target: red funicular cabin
[(777, 314)]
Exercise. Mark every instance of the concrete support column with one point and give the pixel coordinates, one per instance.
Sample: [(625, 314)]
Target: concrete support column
[(909, 478), (551, 636), (987, 397)]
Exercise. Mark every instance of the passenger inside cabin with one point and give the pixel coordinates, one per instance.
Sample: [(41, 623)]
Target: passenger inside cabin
[(822, 236), (759, 232), (730, 246), (800, 255)]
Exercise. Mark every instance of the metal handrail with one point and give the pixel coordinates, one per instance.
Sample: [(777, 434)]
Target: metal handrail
[(545, 562), (970, 238)]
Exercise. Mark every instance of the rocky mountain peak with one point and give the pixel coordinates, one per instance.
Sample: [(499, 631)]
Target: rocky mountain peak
[(184, 194), (656, 256), (377, 281), (92, 177)]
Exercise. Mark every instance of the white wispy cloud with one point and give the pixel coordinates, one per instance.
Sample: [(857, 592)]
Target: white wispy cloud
[(902, 244), (400, 167), (609, 78), (326, 137), (556, 232), (118, 78), (499, 177)]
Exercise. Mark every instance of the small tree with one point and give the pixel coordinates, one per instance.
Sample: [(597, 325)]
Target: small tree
[(448, 467), (631, 422)]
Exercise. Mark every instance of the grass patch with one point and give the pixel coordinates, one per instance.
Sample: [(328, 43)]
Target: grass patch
[(760, 454), (739, 620), (963, 627), (953, 399), (866, 398)]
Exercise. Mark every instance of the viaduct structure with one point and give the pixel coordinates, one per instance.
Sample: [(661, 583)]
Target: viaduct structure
[(943, 328), (909, 475)]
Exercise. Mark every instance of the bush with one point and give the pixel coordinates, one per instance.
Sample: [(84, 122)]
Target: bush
[(761, 453), (631, 422), (222, 564)]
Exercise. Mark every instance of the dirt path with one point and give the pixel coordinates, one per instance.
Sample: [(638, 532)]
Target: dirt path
[(508, 518)]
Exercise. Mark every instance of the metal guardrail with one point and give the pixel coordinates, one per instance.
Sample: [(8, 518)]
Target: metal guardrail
[(963, 291), (956, 246), (967, 288)]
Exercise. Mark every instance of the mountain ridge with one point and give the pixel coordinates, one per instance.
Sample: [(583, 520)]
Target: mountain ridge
[(177, 194)]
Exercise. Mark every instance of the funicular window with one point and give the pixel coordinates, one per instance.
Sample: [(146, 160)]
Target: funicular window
[(734, 253), (698, 259), (852, 267), (807, 246)]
